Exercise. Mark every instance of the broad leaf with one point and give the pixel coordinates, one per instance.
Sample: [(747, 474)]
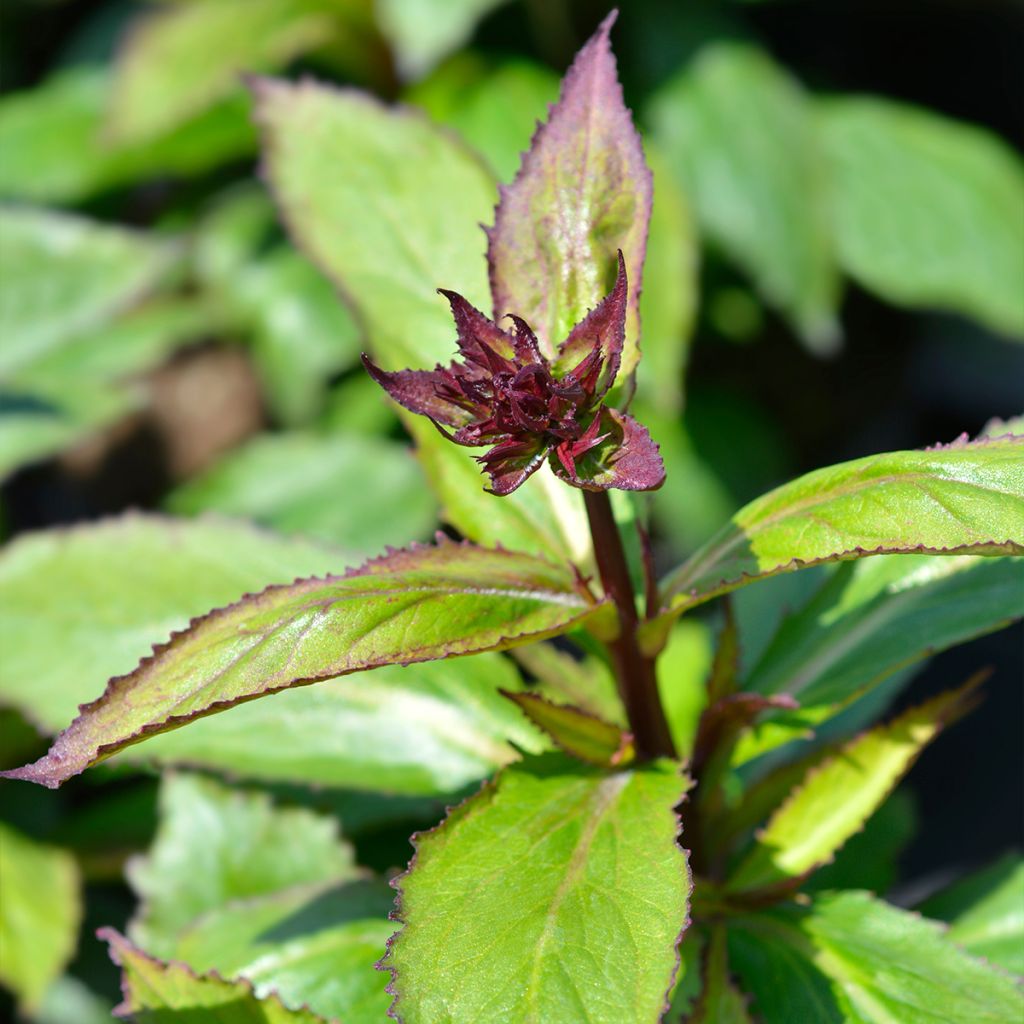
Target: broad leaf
[(411, 605), (985, 912), (583, 192), (389, 207), (741, 136), (720, 1002), (159, 993), (839, 794), (852, 958), (927, 210), (584, 880), (577, 732), (65, 275), (307, 483), (427, 729), (216, 846), (40, 911), (966, 497), (69, 999)]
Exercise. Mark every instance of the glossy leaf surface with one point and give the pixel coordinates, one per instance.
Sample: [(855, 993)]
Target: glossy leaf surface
[(601, 897)]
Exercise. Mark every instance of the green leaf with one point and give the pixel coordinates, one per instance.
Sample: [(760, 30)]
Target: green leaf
[(427, 729), (927, 210), (682, 669), (64, 276), (985, 912), (852, 958), (870, 619), (412, 605), (68, 999), (40, 911), (83, 604), (171, 993), (180, 60), (577, 732), (720, 1002), (741, 135), (359, 493), (388, 207), (216, 846), (967, 497), (582, 193), (840, 793), (56, 151), (576, 916)]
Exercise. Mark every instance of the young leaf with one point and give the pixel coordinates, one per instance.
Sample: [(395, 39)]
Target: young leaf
[(577, 732), (154, 990), (840, 793), (553, 872), (216, 846), (411, 605), (582, 193), (985, 912), (40, 911), (741, 136), (927, 209), (962, 498), (720, 1002)]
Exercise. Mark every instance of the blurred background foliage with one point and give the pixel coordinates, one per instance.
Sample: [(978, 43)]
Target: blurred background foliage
[(836, 267)]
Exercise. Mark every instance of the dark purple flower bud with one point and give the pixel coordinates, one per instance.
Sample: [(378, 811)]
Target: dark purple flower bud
[(506, 395)]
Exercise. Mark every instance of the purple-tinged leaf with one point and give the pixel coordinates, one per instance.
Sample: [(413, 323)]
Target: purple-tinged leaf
[(582, 193), (621, 455), (416, 604), (723, 721), (418, 391), (577, 732), (510, 463)]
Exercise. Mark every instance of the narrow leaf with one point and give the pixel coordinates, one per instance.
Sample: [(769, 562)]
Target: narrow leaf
[(962, 498), (154, 991), (577, 732), (413, 605), (583, 191), (841, 793), (584, 880)]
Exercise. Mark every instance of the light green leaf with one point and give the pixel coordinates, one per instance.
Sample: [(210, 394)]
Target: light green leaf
[(216, 846), (359, 493), (56, 151), (927, 209), (159, 993), (40, 911), (953, 499), (985, 912), (421, 32), (576, 916), (389, 208), (839, 794), (682, 668), (417, 604), (63, 276), (427, 729), (181, 60), (69, 999), (80, 605), (742, 137)]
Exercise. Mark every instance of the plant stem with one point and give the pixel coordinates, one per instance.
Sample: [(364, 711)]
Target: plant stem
[(634, 672)]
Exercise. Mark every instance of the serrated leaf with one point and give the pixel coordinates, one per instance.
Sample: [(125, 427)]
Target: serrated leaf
[(872, 618), (985, 912), (40, 912), (967, 497), (389, 206), (217, 846), (741, 135), (584, 880), (412, 605), (159, 993), (65, 275), (583, 192), (307, 483), (927, 210), (720, 1002), (577, 732), (852, 958), (839, 794)]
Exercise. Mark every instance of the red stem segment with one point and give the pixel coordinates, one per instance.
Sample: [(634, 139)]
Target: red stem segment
[(634, 672)]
